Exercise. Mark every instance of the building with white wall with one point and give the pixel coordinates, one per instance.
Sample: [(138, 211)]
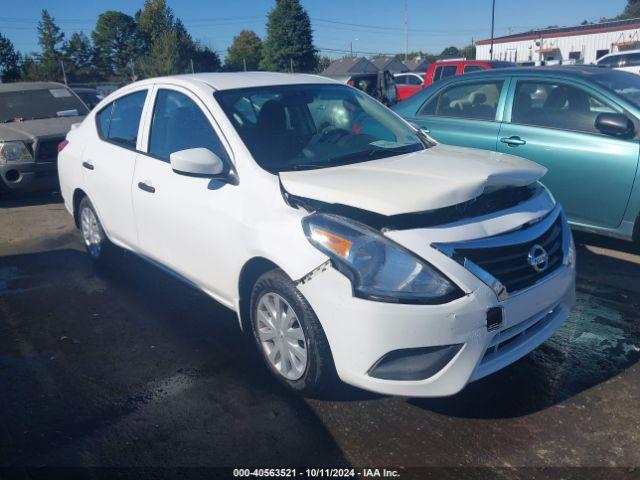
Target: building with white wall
[(565, 45)]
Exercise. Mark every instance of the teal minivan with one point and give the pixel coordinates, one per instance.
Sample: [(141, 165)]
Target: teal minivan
[(581, 122)]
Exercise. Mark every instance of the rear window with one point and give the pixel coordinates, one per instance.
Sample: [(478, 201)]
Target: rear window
[(35, 104)]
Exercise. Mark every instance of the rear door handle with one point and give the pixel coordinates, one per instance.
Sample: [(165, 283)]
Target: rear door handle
[(146, 187), (87, 165), (513, 141)]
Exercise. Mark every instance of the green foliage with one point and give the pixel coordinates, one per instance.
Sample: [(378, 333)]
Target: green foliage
[(9, 61), (163, 57), (50, 39), (632, 10), (322, 62), (289, 39), (246, 48), (468, 52), (450, 51), (205, 59), (78, 58), (117, 44)]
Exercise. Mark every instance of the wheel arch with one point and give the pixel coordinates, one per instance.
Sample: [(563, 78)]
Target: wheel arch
[(78, 195), (249, 274)]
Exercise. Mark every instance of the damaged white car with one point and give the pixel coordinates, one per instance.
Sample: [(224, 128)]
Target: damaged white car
[(348, 242)]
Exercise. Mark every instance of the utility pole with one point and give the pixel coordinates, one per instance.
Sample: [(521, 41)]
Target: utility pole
[(406, 32), (192, 71), (493, 19), (244, 63), (291, 61), (64, 74)]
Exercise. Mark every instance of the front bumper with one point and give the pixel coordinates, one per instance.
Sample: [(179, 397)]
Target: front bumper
[(28, 176), (361, 332)]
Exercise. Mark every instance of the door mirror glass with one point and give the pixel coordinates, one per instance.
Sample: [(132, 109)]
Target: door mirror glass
[(197, 161), (615, 124)]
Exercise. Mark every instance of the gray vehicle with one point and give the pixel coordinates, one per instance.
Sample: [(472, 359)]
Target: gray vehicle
[(34, 118)]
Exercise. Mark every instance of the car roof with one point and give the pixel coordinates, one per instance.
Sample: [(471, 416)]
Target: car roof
[(234, 80), (22, 86), (624, 52), (582, 71)]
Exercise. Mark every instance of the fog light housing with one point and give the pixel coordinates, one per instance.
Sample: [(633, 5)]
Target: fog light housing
[(413, 363)]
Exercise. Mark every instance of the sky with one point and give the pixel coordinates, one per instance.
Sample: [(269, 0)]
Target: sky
[(371, 26)]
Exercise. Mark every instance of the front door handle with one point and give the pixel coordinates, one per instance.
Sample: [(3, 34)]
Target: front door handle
[(146, 187), (87, 165), (513, 141)]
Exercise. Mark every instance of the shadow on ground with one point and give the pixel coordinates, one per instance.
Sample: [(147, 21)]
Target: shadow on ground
[(127, 365)]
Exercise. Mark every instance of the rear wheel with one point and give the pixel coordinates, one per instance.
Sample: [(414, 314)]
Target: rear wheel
[(289, 335), (96, 242)]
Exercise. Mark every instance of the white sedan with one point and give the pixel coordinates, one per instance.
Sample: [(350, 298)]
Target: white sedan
[(347, 241)]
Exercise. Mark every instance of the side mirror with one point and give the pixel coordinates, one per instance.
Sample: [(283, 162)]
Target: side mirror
[(615, 124), (197, 162)]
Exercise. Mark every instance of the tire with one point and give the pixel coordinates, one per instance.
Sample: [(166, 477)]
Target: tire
[(319, 373), (95, 240)]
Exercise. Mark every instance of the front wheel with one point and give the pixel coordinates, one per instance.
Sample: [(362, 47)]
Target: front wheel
[(289, 335)]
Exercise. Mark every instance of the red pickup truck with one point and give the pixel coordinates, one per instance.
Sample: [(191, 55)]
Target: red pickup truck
[(439, 70)]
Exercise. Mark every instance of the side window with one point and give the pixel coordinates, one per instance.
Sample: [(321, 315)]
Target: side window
[(612, 61), (473, 68), (556, 105), (477, 100), (103, 117), (448, 71), (179, 124), (632, 60), (413, 80), (118, 122), (402, 80), (437, 74)]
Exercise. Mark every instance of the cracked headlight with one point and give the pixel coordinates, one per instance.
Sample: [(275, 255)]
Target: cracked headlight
[(379, 269), (14, 152)]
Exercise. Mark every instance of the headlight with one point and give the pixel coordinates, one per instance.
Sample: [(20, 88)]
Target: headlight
[(378, 268), (14, 152)]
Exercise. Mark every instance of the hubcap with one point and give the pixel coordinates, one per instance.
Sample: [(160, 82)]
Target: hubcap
[(91, 232), (281, 336)]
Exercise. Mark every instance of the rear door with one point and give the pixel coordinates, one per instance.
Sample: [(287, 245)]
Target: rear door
[(552, 122), (108, 163), (465, 113)]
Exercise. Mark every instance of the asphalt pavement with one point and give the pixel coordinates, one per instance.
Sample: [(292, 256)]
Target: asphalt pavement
[(128, 367)]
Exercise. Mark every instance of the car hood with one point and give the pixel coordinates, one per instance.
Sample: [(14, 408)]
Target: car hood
[(438, 177), (29, 130)]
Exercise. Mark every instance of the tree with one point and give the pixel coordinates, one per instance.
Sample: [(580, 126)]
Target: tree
[(154, 20), (9, 60), (632, 10), (205, 59), (164, 56), (468, 52), (50, 39), (244, 53), (450, 51), (289, 42), (78, 57), (322, 62), (117, 44)]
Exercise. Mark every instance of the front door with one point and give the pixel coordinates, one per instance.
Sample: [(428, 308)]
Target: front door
[(184, 221), (464, 114), (553, 124)]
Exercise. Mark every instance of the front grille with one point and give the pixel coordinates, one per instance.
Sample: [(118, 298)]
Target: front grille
[(509, 264), (47, 150)]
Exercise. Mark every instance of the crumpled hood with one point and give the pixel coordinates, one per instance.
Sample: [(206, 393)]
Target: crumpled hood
[(29, 130), (434, 178)]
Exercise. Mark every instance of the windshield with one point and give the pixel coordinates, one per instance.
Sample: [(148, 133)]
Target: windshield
[(33, 104), (299, 127), (625, 84)]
